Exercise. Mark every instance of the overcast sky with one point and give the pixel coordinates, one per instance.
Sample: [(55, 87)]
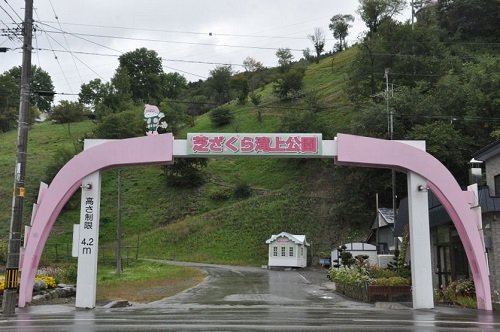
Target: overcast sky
[(215, 31)]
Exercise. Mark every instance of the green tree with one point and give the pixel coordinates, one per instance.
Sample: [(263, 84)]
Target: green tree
[(220, 82), (126, 124), (176, 115), (239, 84), (252, 65), (93, 92), (172, 84), (9, 102), (469, 19), (67, 111), (306, 54), (117, 95), (144, 69), (186, 172), (301, 122), (289, 85), (41, 87), (198, 104), (318, 40), (256, 100), (285, 58), (374, 12), (445, 143), (221, 116), (339, 25)]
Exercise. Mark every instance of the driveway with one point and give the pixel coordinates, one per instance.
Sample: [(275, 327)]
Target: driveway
[(252, 299)]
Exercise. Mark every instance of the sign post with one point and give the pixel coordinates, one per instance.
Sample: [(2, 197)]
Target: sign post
[(88, 241), (86, 237)]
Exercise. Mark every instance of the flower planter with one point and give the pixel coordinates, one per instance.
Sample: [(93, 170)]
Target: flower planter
[(389, 293), (374, 293)]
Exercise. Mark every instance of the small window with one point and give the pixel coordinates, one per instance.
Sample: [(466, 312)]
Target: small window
[(290, 251), (283, 251), (275, 251), (301, 251), (497, 185)]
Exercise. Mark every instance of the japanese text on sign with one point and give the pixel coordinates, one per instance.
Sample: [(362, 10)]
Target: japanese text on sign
[(254, 144), (88, 223)]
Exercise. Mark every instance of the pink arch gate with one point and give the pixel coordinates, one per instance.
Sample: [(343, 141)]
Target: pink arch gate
[(352, 150)]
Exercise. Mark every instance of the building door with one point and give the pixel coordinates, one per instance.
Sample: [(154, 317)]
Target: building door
[(459, 263), (443, 265)]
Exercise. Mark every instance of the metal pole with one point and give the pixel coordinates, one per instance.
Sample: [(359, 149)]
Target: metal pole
[(12, 266), (391, 136), (118, 227), (378, 222)]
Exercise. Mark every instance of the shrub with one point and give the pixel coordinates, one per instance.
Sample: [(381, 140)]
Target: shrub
[(460, 292), (220, 194), (69, 273), (348, 276), (186, 172), (221, 116), (459, 288), (391, 281), (466, 302), (4, 244), (378, 272), (58, 160), (289, 85), (242, 190)]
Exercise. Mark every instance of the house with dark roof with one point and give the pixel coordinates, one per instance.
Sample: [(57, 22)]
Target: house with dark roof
[(489, 199), (382, 232)]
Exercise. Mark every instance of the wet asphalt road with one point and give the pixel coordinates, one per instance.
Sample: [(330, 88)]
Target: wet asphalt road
[(252, 299)]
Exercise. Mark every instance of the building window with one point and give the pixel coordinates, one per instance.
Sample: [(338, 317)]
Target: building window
[(497, 185), (275, 251), (283, 251), (301, 251), (290, 251)]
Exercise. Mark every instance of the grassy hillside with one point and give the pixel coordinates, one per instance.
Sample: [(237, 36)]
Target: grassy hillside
[(44, 140), (209, 223)]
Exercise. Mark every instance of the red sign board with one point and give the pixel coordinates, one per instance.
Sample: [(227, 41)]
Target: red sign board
[(254, 144)]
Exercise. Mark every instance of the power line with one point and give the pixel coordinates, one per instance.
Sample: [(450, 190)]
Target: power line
[(115, 55), (450, 117), (210, 34), (169, 41), (77, 52), (13, 20), (185, 72), (55, 57), (66, 41), (79, 37), (15, 12), (204, 62), (75, 57)]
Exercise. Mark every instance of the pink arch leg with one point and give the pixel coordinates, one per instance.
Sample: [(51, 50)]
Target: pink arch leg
[(365, 151), (149, 150)]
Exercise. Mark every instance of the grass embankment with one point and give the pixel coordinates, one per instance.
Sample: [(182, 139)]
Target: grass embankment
[(44, 140), (208, 223), (145, 281)]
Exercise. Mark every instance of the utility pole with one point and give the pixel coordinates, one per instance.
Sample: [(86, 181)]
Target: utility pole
[(391, 136), (16, 222)]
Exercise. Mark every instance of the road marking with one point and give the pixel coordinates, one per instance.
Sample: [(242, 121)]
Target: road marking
[(425, 321), (305, 279)]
